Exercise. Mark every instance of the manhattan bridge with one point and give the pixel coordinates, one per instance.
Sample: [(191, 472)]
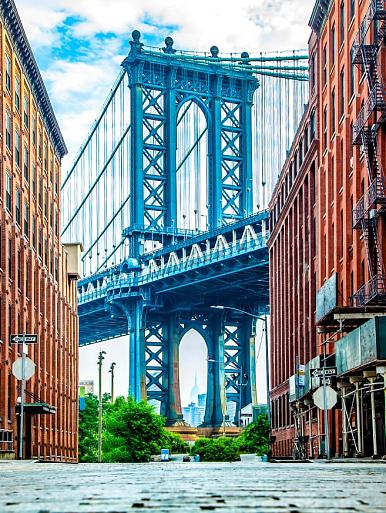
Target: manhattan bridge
[(168, 195)]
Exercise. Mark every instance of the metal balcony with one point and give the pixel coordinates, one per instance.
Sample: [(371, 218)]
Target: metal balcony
[(371, 293), (376, 11), (375, 195), (376, 102)]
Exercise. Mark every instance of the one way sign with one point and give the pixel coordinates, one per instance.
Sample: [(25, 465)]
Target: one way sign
[(328, 371), (27, 339)]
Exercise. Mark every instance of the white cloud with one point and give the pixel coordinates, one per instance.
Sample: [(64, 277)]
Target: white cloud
[(78, 89)]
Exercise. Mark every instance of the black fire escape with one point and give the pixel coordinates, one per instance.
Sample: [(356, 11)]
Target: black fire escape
[(372, 204)]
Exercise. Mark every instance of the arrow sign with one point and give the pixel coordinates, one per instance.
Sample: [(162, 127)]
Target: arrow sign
[(27, 339), (328, 371), (29, 368)]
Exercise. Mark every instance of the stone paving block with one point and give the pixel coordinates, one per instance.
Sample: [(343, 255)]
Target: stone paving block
[(192, 487)]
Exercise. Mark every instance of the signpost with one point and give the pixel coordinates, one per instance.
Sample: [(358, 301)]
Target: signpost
[(23, 369), (325, 398), (326, 371)]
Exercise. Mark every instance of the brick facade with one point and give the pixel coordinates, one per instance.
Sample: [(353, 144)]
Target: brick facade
[(312, 237), (36, 293)]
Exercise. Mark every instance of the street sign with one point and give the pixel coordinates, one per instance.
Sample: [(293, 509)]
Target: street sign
[(328, 371), (329, 380), (331, 397), (27, 339), (29, 368)]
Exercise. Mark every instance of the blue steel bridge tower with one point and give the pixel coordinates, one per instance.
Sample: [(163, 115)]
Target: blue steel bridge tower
[(158, 295)]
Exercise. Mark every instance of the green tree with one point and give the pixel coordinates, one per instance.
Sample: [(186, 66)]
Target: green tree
[(88, 430), (256, 437), (132, 432)]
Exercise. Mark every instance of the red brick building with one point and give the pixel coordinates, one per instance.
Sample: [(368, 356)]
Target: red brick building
[(292, 265), (350, 245), (37, 285)]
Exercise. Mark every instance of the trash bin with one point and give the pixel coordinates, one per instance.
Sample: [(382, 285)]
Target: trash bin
[(164, 454)]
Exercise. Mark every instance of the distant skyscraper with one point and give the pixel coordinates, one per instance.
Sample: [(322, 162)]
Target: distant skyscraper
[(193, 415), (195, 391)]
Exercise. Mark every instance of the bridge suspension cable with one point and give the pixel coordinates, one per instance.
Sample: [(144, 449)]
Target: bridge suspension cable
[(96, 189)]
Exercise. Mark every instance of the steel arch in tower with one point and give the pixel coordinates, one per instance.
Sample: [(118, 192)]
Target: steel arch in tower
[(159, 84)]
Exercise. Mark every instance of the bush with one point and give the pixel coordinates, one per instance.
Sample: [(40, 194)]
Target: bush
[(216, 449), (132, 433), (173, 442), (256, 437)]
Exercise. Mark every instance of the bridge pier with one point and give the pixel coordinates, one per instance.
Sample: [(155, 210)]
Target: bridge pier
[(216, 408), (137, 370), (173, 411)]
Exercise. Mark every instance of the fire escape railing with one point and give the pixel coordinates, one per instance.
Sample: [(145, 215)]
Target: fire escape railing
[(372, 291), (365, 129)]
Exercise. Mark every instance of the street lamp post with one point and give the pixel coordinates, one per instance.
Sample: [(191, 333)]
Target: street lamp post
[(100, 360), (112, 380), (258, 318)]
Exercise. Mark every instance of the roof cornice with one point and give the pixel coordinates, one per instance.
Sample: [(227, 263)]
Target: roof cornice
[(318, 15), (20, 42)]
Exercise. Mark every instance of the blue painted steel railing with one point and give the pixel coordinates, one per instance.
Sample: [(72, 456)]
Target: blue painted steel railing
[(148, 276)]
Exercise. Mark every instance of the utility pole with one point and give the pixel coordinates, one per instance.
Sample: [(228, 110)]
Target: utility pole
[(267, 369), (325, 410), (112, 380), (100, 360), (22, 398)]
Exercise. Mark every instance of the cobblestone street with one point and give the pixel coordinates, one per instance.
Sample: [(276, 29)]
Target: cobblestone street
[(190, 487)]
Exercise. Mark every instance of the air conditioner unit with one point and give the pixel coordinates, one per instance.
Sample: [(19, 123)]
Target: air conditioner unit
[(352, 162), (372, 213)]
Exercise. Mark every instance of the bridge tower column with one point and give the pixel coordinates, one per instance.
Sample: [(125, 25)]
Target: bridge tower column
[(216, 408), (173, 411), (137, 371), (248, 393)]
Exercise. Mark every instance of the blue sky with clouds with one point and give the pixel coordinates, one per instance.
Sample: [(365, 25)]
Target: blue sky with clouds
[(79, 45)]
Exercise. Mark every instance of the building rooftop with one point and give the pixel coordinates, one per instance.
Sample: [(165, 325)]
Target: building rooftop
[(22, 47), (319, 14)]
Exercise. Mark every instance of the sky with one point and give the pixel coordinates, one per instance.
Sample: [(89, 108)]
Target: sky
[(79, 45)]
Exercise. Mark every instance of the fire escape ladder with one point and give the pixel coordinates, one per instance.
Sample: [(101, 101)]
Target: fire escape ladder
[(372, 114)]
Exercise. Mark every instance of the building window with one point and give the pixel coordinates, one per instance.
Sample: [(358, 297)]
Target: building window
[(10, 258), (305, 139), (9, 192), (8, 130), (34, 179), (341, 23), (17, 148), (17, 93), (56, 182), (325, 131), (18, 266), (325, 65), (333, 110), (17, 207), (300, 152), (45, 157), (40, 193), (312, 125), (40, 242), (40, 149), (333, 45), (46, 203), (352, 9), (8, 72), (352, 73), (26, 111), (342, 97), (26, 163), (295, 164), (312, 72), (34, 232), (34, 130), (26, 220)]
